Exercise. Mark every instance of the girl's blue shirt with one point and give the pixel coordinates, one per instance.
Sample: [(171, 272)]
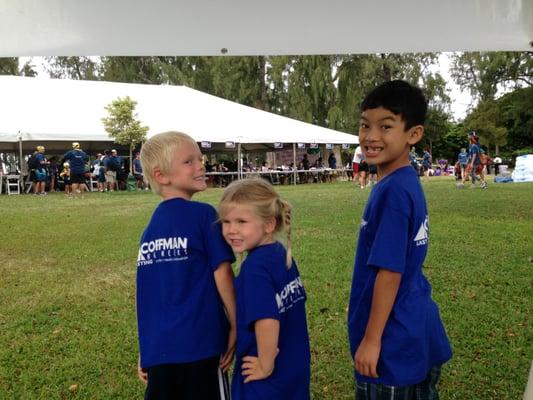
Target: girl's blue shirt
[(266, 288)]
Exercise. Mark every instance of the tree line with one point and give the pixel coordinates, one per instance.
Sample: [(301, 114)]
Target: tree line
[(326, 90)]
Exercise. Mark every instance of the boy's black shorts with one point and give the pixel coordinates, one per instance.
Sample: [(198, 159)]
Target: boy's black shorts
[(199, 380)]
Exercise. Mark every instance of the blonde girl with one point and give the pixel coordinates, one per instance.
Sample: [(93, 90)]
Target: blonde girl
[(272, 355), (65, 174)]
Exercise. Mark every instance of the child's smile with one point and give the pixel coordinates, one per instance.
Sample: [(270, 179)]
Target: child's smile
[(384, 140), (244, 230)]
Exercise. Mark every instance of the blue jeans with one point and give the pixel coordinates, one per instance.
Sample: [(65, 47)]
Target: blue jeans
[(425, 390)]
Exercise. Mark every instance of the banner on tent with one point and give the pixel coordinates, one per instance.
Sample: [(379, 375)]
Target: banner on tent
[(278, 145), (230, 145), (301, 145), (206, 145), (329, 146)]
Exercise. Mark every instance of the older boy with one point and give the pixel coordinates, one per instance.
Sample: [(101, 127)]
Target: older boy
[(185, 294), (396, 336)]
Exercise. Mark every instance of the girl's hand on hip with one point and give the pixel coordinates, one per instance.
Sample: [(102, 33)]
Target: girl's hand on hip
[(252, 369)]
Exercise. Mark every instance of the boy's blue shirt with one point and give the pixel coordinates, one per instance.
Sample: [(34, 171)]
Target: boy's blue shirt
[(266, 288), (463, 158), (179, 311), (394, 235)]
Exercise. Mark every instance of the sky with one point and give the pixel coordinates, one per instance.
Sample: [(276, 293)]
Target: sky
[(460, 99)]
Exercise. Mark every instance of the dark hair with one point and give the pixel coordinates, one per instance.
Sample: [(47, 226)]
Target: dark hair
[(400, 98)]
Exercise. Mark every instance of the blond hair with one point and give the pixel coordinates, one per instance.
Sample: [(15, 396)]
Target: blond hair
[(158, 152), (266, 202)]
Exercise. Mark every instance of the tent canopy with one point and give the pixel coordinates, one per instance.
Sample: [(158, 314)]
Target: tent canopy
[(252, 27), (56, 112)]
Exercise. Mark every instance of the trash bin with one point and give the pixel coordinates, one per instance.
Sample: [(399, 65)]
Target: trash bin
[(131, 183)]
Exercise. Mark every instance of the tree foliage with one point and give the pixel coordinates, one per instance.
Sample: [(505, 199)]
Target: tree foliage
[(80, 68), (122, 124), (487, 121), (11, 66), (517, 112), (484, 73)]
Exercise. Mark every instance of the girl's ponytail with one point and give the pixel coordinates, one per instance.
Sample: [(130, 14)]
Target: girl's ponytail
[(285, 211)]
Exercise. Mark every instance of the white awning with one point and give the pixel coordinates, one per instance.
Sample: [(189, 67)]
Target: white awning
[(252, 27)]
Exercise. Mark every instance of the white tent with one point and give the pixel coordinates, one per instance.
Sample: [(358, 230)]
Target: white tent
[(251, 27), (56, 111)]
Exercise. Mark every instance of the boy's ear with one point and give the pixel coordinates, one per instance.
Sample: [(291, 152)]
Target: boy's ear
[(160, 177), (415, 134)]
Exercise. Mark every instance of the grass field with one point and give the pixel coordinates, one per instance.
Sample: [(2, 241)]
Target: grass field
[(67, 267)]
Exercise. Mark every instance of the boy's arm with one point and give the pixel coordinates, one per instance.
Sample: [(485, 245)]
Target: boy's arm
[(383, 298), (261, 367), (224, 282)]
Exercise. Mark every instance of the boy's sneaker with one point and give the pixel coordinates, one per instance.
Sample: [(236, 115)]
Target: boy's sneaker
[(483, 185), (460, 185)]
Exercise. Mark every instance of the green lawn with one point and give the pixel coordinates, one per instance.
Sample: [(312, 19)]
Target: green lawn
[(67, 313)]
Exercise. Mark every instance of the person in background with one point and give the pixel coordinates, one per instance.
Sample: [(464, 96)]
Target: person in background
[(426, 162), (305, 162), (474, 167), (41, 171), (462, 159), (372, 174), (112, 167), (65, 174), (497, 163), (53, 171), (138, 171), (77, 160), (357, 158), (413, 160), (332, 161), (363, 173)]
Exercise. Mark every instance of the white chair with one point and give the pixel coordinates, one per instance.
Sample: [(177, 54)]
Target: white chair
[(274, 178), (13, 184), (28, 184), (93, 184)]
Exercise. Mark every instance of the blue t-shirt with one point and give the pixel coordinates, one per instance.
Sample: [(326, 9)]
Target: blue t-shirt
[(40, 158), (77, 160), (473, 153), (463, 158), (426, 160), (266, 288), (137, 167), (180, 314), (394, 235)]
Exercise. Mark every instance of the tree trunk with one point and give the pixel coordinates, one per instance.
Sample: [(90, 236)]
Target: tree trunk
[(131, 159)]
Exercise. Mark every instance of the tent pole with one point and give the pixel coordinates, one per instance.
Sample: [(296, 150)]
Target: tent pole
[(239, 162), (294, 167), (20, 153)]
